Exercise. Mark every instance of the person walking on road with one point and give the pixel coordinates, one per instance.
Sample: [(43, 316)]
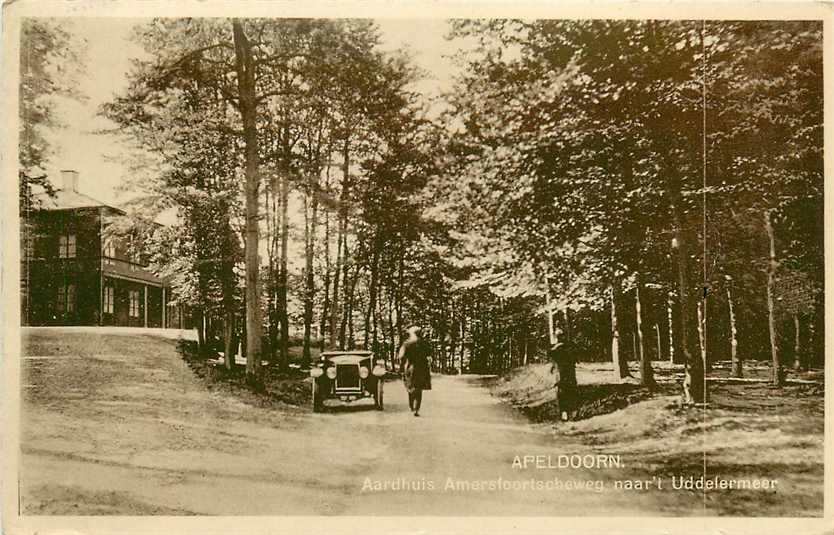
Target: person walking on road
[(562, 355), (415, 360)]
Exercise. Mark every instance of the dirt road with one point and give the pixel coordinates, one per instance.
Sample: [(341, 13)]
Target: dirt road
[(118, 424)]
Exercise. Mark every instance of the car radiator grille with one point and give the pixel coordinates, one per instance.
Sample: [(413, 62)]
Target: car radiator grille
[(347, 376)]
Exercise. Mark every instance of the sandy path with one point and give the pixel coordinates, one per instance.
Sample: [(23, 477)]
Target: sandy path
[(131, 431)]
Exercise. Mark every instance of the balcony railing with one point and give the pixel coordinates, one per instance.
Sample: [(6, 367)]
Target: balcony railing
[(119, 266)]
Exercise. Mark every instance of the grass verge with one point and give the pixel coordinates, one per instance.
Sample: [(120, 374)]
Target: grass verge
[(271, 388)]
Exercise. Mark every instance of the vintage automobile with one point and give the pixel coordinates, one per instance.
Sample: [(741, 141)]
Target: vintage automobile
[(342, 377)]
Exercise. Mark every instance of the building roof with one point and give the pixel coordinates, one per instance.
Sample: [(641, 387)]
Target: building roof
[(67, 199)]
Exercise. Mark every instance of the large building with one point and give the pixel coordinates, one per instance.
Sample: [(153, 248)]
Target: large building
[(73, 274)]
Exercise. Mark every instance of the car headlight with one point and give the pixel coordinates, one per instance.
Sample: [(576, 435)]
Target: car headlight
[(331, 372), (316, 372), (379, 371), (364, 372), (380, 362)]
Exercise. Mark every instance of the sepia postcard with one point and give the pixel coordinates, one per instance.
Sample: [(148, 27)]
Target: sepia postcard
[(416, 267)]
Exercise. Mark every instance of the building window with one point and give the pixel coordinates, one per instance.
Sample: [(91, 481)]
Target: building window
[(109, 252), (66, 299), (108, 299), (66, 246), (134, 303)]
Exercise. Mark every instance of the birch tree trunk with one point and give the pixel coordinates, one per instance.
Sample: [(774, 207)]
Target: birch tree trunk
[(646, 372), (777, 377), (736, 370), (701, 335), (201, 330), (551, 328)]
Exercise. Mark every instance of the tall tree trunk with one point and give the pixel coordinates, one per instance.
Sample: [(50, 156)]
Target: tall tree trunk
[(659, 343), (702, 343), (243, 333), (669, 319), (392, 335), (646, 372), (245, 69), (398, 297), (703, 303), (201, 330), (325, 313), (508, 362), (228, 298), (348, 327), (273, 224), (772, 265), (372, 288), (375, 325), (736, 363), (797, 348), (283, 310), (454, 329), (551, 326), (310, 276), (228, 338), (462, 339), (617, 357), (337, 272), (694, 381), (343, 227), (526, 344), (345, 299)]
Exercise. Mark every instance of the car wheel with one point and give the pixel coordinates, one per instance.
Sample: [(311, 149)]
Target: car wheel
[(378, 395)]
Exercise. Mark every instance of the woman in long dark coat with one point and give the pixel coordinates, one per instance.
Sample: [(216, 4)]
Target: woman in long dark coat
[(562, 355), (415, 367)]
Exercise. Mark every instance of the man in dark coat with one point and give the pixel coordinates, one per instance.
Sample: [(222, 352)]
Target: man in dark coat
[(562, 356), (415, 355)]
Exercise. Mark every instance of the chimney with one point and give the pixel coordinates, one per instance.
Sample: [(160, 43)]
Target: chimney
[(69, 180)]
